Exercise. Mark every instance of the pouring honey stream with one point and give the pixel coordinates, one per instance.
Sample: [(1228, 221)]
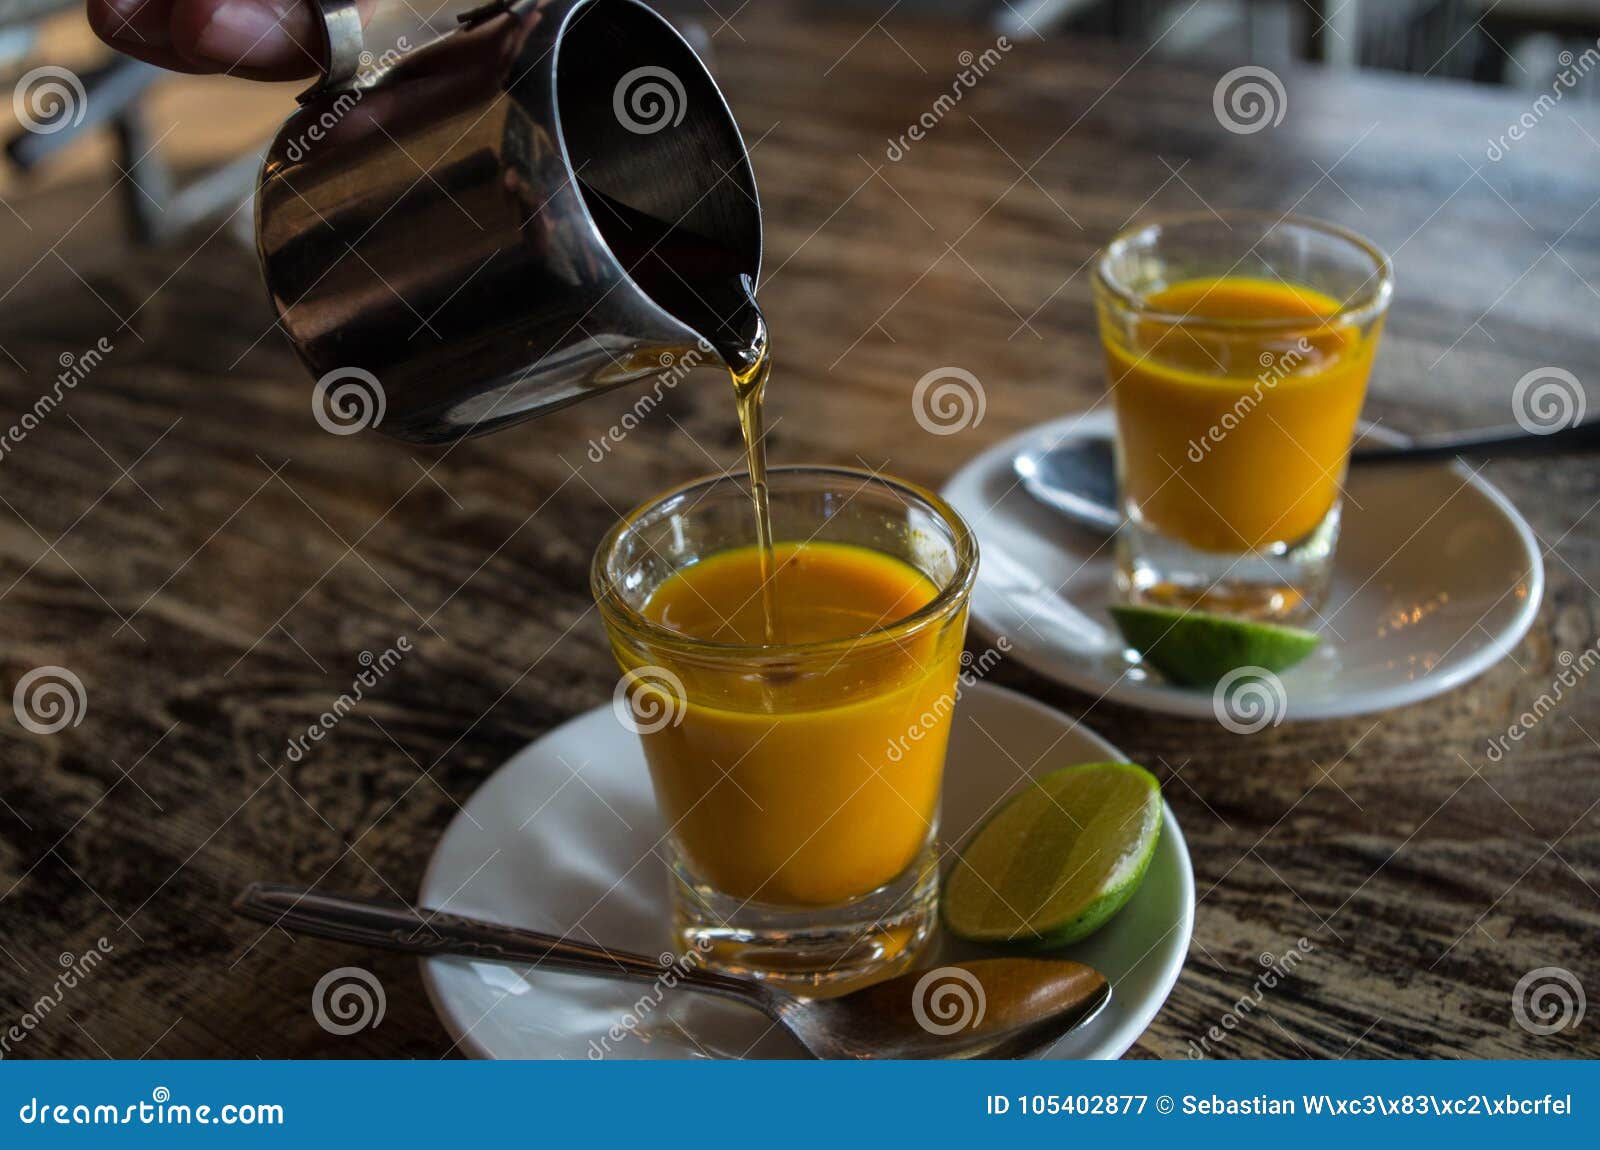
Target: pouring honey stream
[(701, 282)]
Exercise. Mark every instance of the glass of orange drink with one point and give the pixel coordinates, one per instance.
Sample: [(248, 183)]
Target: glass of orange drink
[(1238, 348), (794, 725)]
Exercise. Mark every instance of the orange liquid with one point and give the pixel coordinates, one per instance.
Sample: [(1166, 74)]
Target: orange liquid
[(794, 782), (1235, 439)]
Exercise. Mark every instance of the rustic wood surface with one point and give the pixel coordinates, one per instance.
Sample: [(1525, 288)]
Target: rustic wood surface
[(182, 536)]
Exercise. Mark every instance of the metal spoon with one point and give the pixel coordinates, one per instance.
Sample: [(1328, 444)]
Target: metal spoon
[(1078, 475), (1002, 1007)]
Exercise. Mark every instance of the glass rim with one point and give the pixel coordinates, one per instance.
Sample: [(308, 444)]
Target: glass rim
[(1364, 307), (616, 612)]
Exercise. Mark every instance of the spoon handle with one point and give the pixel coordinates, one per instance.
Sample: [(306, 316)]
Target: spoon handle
[(418, 930), (1495, 443)]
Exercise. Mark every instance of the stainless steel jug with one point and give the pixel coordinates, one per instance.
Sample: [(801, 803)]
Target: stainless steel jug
[(421, 227)]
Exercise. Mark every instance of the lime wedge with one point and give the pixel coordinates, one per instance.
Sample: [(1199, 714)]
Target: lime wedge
[(1057, 860), (1195, 649)]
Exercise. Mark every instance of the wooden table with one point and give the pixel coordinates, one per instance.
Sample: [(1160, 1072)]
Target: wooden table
[(181, 535)]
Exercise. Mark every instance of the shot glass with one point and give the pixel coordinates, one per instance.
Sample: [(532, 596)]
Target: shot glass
[(799, 785), (1238, 349)]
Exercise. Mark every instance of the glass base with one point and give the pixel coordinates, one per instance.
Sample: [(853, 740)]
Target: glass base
[(1284, 584), (817, 952)]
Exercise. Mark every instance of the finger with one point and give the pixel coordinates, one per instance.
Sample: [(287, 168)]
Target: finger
[(138, 28), (257, 39)]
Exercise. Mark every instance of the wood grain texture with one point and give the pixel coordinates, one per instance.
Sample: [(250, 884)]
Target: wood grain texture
[(216, 595)]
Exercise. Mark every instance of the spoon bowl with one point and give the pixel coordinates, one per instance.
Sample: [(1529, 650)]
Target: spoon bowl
[(983, 1008), (1077, 476)]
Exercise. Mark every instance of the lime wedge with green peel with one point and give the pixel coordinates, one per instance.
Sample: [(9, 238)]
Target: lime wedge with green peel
[(1058, 859), (1194, 649)]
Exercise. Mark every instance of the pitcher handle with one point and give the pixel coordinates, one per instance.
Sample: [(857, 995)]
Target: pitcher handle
[(340, 21)]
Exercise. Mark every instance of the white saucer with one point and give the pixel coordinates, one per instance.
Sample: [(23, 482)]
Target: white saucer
[(559, 839), (1435, 580)]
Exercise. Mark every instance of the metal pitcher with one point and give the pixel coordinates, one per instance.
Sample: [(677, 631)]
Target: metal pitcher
[(421, 227)]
